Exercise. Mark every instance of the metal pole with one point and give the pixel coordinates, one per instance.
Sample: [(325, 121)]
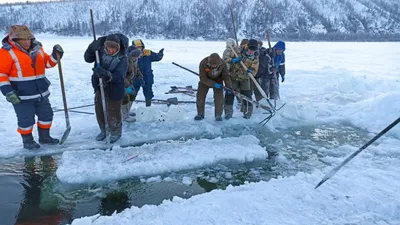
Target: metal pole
[(68, 125), (103, 98), (336, 169)]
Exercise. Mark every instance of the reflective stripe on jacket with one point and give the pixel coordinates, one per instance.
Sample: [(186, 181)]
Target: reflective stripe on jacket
[(24, 72)]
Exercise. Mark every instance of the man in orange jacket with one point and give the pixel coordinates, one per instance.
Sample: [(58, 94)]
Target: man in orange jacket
[(23, 82)]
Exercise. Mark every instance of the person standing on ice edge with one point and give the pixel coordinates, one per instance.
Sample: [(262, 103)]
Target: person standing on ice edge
[(241, 81), (269, 83), (279, 60), (113, 67), (265, 77), (144, 62), (23, 82), (130, 96), (213, 71)]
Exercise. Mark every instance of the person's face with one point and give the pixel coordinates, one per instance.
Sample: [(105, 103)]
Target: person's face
[(24, 43), (279, 51), (140, 48), (251, 51), (214, 66), (111, 51)]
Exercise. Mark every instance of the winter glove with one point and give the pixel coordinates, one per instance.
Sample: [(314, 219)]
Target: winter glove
[(129, 90), (57, 50), (102, 73), (95, 45), (161, 52), (283, 78), (235, 60), (13, 98), (218, 86)]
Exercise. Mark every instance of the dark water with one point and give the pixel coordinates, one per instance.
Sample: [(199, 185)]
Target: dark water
[(30, 193)]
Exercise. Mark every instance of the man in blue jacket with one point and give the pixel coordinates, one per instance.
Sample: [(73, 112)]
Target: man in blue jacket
[(113, 68), (144, 62)]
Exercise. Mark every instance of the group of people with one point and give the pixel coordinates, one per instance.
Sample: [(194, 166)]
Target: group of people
[(123, 69), (234, 71)]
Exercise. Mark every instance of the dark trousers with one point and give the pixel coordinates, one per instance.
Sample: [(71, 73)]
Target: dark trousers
[(202, 91), (26, 111), (270, 86), (113, 109), (244, 87), (147, 91)]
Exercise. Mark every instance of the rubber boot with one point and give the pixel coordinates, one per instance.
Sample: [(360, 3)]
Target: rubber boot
[(148, 102), (228, 111), (101, 136), (218, 118), (29, 143), (198, 117), (114, 138), (45, 138)]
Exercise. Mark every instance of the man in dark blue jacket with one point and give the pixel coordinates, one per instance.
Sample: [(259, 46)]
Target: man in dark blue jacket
[(113, 67), (144, 63), (268, 82)]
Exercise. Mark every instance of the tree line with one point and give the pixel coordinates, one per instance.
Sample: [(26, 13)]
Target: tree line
[(295, 20)]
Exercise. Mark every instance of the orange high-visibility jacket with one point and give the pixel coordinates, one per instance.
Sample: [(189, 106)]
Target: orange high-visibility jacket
[(24, 72)]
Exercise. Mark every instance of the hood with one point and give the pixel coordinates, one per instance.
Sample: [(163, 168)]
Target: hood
[(138, 43), (280, 45), (230, 42)]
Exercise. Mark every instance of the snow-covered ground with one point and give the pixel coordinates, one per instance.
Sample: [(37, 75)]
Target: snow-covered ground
[(357, 83)]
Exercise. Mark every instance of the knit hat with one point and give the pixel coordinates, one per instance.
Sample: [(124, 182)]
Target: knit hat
[(20, 32), (253, 44), (138, 43), (112, 41), (230, 42)]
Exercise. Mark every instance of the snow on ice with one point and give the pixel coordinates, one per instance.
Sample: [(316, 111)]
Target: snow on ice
[(97, 165), (357, 83)]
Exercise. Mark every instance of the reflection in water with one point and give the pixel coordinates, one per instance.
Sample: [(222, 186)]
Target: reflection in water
[(40, 206), (208, 186), (114, 201), (291, 150)]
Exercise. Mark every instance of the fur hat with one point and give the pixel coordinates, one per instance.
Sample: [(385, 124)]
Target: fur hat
[(20, 32), (134, 52), (112, 41), (214, 59)]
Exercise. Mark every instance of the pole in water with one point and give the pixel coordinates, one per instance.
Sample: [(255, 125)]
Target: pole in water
[(336, 169), (64, 98)]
